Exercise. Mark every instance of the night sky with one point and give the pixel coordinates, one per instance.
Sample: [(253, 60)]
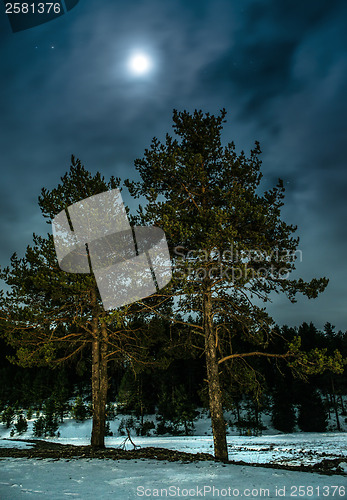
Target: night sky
[(279, 68)]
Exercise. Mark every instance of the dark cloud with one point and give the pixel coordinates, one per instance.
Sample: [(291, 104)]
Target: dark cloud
[(278, 67)]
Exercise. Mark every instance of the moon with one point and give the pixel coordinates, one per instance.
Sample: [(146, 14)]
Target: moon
[(140, 63)]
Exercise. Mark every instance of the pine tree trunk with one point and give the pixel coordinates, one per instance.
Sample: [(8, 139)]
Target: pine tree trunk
[(214, 389), (98, 430), (99, 383)]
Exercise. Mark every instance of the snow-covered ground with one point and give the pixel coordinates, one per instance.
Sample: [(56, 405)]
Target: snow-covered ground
[(123, 479), (271, 447), (290, 449)]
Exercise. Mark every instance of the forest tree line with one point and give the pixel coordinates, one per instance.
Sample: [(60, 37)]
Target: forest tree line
[(177, 389)]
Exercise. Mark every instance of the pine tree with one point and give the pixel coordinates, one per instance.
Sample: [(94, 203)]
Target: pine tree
[(8, 415), (227, 240), (21, 424), (312, 414), (50, 416), (283, 411), (79, 410), (185, 410), (50, 316)]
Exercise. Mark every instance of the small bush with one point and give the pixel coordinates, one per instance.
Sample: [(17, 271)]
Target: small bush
[(108, 431), (44, 426), (7, 416), (47, 424), (39, 427), (164, 428), (145, 428), (79, 410), (21, 425)]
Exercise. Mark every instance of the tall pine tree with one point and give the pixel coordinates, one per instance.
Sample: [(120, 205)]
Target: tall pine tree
[(50, 315), (228, 243)]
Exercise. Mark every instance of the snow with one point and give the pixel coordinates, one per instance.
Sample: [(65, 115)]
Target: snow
[(123, 479), (130, 479)]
